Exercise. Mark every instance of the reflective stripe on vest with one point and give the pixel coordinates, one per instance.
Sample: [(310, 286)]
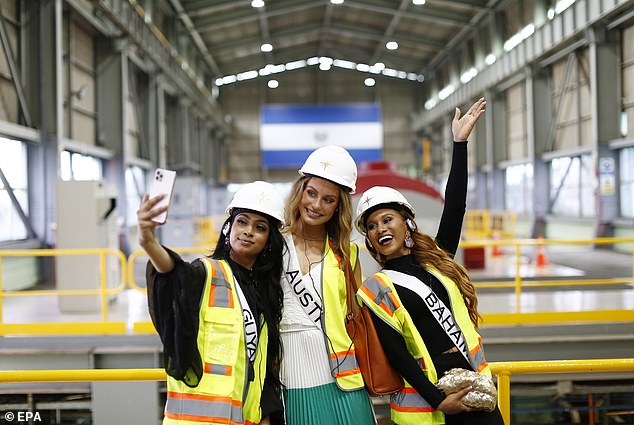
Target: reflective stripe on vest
[(477, 357), (218, 369), (203, 408), (220, 294), (344, 363), (381, 294), (408, 400)]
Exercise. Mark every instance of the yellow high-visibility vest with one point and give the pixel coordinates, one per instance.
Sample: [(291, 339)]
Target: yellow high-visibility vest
[(224, 395), (407, 406), (343, 362)]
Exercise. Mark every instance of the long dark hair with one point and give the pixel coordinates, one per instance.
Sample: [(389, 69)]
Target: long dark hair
[(267, 272)]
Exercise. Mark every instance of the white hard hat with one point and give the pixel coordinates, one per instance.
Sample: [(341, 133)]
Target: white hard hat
[(260, 197), (377, 196), (332, 163)]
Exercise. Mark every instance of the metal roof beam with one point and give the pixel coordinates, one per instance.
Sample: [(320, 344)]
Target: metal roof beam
[(240, 18), (428, 15)]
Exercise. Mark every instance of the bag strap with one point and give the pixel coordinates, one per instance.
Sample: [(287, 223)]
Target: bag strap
[(351, 289)]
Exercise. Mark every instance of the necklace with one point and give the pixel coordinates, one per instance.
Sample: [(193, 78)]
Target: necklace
[(308, 239)]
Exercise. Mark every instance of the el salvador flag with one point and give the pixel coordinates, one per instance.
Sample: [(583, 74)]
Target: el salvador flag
[(289, 133)]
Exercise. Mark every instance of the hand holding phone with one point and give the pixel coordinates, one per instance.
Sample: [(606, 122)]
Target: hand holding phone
[(162, 184)]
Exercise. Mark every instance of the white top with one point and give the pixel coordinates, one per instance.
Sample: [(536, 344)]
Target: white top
[(305, 361)]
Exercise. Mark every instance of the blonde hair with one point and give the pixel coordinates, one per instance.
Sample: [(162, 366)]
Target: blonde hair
[(427, 252), (338, 227)]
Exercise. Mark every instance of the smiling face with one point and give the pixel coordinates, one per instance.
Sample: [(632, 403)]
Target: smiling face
[(248, 237), (320, 199), (386, 231)]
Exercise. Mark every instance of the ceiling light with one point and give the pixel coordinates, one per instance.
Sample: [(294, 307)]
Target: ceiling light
[(257, 3), (369, 82), (431, 103), (295, 65), (391, 45), (490, 59), (445, 92), (418, 2), (468, 75), (273, 84), (363, 67), (336, 1), (266, 47), (344, 64)]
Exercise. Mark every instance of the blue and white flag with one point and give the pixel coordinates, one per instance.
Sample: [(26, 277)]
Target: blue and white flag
[(289, 133)]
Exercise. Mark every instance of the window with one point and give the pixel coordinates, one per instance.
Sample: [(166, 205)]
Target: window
[(626, 181), (13, 162), (75, 166), (572, 186), (518, 190), (135, 188)]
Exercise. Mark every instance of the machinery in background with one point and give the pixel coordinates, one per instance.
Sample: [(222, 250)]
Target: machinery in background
[(86, 219)]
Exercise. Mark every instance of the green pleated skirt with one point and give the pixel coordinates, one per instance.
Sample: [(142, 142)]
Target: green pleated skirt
[(328, 405)]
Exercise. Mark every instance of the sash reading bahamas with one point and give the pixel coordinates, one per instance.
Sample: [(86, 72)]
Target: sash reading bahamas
[(447, 322), (435, 305)]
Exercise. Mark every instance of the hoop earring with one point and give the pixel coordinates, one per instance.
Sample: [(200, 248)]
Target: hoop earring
[(409, 242)]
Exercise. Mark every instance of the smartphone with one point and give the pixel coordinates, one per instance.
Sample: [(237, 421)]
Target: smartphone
[(162, 184)]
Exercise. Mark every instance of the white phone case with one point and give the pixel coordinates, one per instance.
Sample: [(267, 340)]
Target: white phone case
[(162, 183)]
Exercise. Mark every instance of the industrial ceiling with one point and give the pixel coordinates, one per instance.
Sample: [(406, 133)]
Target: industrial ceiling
[(230, 34)]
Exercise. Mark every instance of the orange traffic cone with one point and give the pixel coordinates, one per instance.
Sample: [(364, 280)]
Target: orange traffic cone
[(541, 260), (497, 249)]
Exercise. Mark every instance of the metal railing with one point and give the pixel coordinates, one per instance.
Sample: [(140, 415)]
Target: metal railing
[(483, 224), (502, 370), (76, 328), (518, 284)]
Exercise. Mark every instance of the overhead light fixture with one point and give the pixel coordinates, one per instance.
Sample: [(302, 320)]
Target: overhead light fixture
[(266, 47), (468, 75), (391, 45), (490, 59), (418, 2), (336, 1), (273, 84), (257, 3), (369, 82), (445, 92)]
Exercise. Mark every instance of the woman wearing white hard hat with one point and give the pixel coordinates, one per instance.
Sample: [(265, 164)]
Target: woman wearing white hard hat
[(218, 317), (424, 305), (322, 382)]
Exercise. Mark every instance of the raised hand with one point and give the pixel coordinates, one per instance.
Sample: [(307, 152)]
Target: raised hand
[(145, 214), (461, 126)]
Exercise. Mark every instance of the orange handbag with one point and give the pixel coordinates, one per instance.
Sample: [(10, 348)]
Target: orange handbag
[(379, 376)]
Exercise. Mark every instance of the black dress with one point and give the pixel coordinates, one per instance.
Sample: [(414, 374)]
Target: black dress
[(174, 302), (434, 337)]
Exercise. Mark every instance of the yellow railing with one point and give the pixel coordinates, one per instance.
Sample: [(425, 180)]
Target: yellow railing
[(518, 283), (502, 370), (482, 224), (103, 291), (136, 254), (205, 234)]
